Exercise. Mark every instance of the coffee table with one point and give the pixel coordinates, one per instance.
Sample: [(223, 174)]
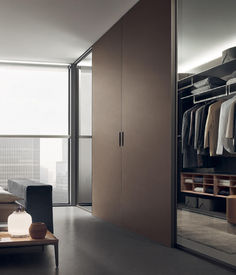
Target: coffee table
[(7, 241)]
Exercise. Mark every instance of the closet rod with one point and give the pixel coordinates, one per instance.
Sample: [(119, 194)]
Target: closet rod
[(210, 98), (218, 96), (216, 89), (232, 93), (227, 93), (214, 97), (187, 96)]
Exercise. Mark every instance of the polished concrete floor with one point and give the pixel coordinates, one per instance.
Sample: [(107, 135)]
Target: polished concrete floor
[(208, 235), (89, 246), (86, 207)]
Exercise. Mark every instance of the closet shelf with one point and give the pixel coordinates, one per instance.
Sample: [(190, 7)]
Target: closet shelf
[(198, 193), (203, 194), (209, 181), (186, 85), (220, 196), (217, 92), (217, 71), (210, 184), (211, 94)]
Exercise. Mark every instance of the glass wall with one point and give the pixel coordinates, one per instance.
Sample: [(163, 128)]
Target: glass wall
[(34, 135), (84, 196), (206, 185)]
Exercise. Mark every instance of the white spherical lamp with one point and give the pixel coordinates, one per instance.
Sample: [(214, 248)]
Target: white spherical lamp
[(18, 223)]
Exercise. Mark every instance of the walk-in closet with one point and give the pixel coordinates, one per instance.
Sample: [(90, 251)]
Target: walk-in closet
[(206, 129)]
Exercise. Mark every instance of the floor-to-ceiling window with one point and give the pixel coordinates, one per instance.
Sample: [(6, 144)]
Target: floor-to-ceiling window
[(34, 126), (84, 70)]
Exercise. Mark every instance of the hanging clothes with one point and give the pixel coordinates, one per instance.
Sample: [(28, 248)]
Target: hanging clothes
[(192, 125), (200, 130), (211, 128), (206, 130), (231, 125), (198, 123), (224, 142), (189, 154)]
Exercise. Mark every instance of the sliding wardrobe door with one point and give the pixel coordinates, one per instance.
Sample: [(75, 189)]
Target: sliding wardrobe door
[(107, 125), (146, 104)]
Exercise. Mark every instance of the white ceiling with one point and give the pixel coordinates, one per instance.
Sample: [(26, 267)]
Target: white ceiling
[(57, 31), (205, 29)]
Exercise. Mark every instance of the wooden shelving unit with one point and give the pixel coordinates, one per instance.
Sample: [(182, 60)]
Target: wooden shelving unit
[(217, 182)]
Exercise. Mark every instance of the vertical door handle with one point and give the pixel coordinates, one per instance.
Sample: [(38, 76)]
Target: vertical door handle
[(120, 139)]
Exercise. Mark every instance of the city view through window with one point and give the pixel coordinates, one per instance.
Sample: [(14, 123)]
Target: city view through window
[(34, 126)]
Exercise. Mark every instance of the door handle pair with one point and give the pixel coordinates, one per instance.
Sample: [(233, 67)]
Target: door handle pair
[(121, 139)]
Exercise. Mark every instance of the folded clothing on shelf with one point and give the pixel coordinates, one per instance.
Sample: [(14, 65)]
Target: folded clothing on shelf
[(188, 180), (201, 89), (198, 179), (228, 55), (231, 81), (198, 189), (224, 192), (209, 82), (209, 190), (229, 77), (224, 182)]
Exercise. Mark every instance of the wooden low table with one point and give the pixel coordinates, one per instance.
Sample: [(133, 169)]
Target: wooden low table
[(7, 241)]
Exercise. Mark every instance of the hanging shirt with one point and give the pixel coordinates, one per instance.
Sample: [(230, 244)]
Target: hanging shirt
[(201, 129), (211, 128), (198, 121), (230, 123), (192, 125), (224, 142), (189, 154)]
